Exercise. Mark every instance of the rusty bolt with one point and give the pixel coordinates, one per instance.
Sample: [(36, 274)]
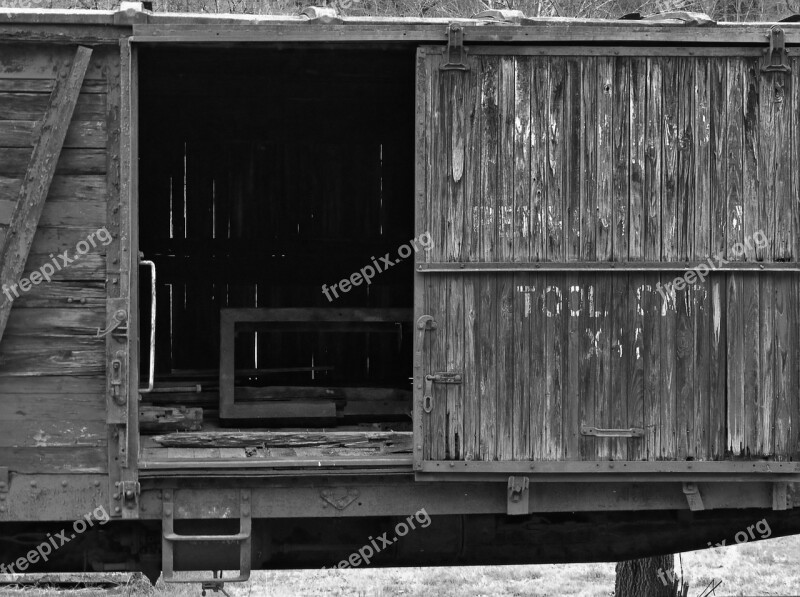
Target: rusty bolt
[(117, 509)]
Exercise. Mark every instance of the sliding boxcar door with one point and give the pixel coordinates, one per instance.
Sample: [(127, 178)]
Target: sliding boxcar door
[(614, 266)]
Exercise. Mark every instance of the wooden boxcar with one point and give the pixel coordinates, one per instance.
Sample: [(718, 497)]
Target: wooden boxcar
[(289, 280)]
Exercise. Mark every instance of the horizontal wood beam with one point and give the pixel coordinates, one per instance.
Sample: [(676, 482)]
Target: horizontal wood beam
[(608, 266)]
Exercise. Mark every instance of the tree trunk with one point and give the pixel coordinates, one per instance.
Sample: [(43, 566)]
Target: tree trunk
[(654, 577)]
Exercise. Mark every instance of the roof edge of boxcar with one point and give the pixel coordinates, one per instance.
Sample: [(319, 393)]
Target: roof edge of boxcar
[(490, 27)]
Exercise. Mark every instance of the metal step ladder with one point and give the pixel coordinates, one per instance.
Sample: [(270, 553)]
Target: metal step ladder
[(170, 537)]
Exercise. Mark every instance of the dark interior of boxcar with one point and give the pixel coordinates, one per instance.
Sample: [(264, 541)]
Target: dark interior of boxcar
[(264, 174)]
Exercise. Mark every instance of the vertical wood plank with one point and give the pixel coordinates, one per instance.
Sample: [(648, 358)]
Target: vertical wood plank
[(572, 158), (671, 85), (684, 370), (471, 179), (539, 397), (652, 172), (734, 185), (786, 370), (472, 412), (573, 309), (603, 321), (621, 157), (605, 156), (506, 206), (588, 363), (540, 118), (686, 157), (698, 448), (701, 244), (638, 125), (522, 145), (718, 154), (651, 350), (524, 380), (554, 349), (637, 409), (506, 361), (588, 360), (555, 162), (620, 338), (752, 188), (588, 124)]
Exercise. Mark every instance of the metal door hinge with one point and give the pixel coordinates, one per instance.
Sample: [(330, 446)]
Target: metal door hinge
[(455, 53), (777, 59), (518, 496)]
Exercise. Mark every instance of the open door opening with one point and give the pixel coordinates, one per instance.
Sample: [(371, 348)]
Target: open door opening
[(267, 176)]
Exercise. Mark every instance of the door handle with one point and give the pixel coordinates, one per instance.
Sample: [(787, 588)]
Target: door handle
[(152, 373)]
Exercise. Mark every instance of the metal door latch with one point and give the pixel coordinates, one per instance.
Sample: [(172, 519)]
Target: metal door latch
[(445, 377), (117, 367), (518, 496), (120, 317), (777, 60)]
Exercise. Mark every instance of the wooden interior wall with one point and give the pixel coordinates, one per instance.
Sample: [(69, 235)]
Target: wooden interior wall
[(612, 158), (52, 368), (265, 174)]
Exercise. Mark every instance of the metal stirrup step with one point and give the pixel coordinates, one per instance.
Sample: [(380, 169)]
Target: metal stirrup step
[(243, 538)]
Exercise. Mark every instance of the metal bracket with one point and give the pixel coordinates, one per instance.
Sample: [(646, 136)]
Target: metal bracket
[(455, 54), (130, 491), (780, 496), (329, 496), (777, 60), (693, 497), (518, 496), (596, 432), (4, 484)]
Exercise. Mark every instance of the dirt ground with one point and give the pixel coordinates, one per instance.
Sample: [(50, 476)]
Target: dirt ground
[(770, 567)]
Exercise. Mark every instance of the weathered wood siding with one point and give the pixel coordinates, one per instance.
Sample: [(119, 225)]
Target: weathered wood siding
[(614, 158), (52, 368)]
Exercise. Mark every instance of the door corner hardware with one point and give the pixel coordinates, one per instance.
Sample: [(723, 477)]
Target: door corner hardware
[(518, 496), (776, 57), (455, 53)]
